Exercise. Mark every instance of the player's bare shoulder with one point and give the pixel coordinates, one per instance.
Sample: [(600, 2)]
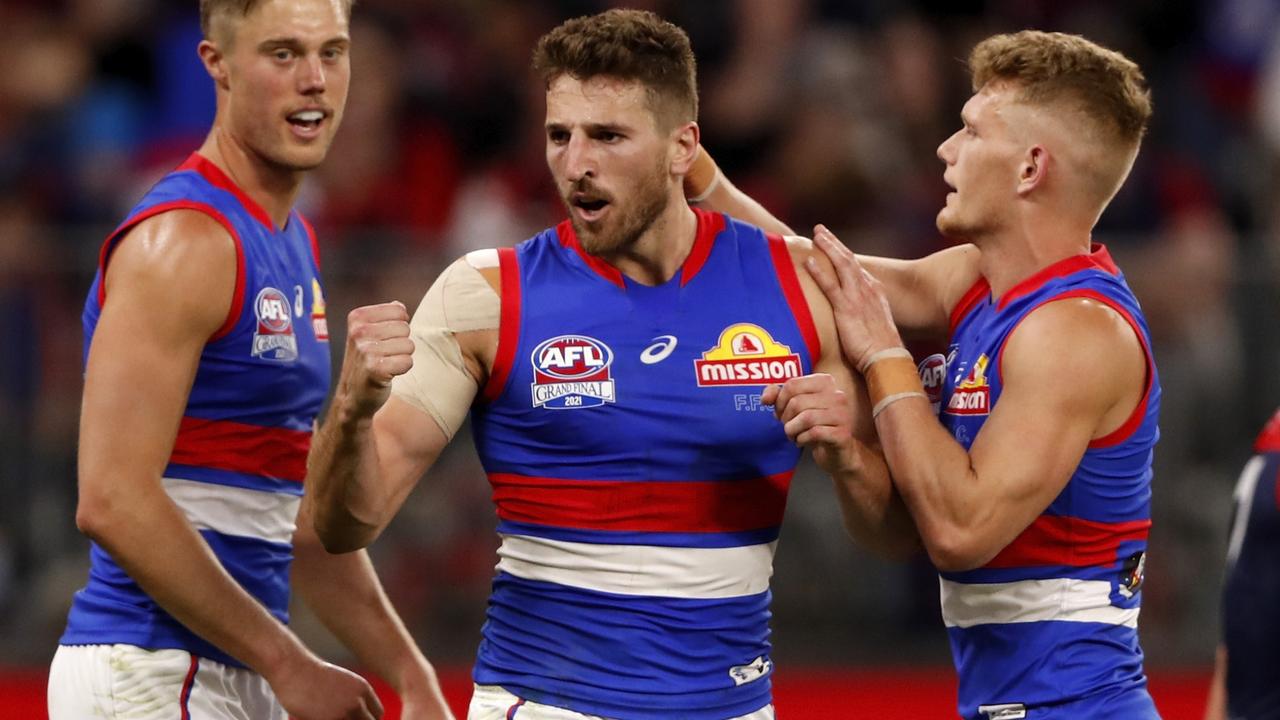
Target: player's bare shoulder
[(185, 258), (1080, 338), (175, 238)]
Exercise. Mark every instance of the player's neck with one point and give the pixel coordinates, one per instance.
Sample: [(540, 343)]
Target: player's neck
[(657, 255), (272, 187), (1026, 248)]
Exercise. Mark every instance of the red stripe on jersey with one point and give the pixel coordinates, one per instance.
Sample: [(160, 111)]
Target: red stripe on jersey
[(569, 239), (709, 226), (237, 297), (1131, 424), (250, 449), (1098, 257), (311, 233), (508, 325), (219, 179), (1269, 439), (968, 302), (791, 289), (1074, 542), (688, 506)]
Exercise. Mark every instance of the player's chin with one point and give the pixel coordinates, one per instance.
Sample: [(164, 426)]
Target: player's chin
[(948, 225), (302, 159)]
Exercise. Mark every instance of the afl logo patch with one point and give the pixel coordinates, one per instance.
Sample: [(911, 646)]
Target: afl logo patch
[(274, 339), (933, 375), (571, 372)]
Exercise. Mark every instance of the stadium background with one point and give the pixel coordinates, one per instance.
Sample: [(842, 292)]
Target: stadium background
[(826, 110)]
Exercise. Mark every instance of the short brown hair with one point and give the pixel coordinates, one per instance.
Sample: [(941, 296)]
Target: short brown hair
[(628, 45), (1049, 67), (239, 8)]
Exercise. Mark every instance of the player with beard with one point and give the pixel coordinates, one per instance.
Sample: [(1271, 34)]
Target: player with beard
[(613, 366), (1032, 495), (207, 362)]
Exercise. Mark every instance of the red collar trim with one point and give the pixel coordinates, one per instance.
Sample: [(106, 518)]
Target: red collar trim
[(1097, 257), (1269, 439), (219, 179), (709, 226)]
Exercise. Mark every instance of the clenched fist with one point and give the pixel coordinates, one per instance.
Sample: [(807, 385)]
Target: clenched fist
[(378, 349)]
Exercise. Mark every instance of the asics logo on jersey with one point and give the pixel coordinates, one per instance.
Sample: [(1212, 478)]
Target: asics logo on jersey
[(662, 347)]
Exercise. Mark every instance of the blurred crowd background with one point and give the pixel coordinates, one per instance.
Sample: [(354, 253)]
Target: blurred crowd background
[(826, 110)]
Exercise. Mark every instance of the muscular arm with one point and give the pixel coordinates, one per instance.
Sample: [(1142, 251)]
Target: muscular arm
[(1073, 370), (922, 293), (345, 595), (829, 412), (169, 286), (374, 445)]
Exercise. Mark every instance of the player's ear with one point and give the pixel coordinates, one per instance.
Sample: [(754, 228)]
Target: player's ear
[(215, 62), (1033, 169), (684, 145)]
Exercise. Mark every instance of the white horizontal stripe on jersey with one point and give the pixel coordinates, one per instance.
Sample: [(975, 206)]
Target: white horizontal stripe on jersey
[(236, 511), (674, 572), (968, 604)]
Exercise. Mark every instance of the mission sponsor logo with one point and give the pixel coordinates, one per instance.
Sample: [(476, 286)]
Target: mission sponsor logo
[(319, 323), (746, 354), (273, 339), (571, 372), (972, 396)]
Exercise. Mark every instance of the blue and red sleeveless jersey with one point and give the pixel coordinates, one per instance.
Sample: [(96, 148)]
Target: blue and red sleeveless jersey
[(639, 481), (1051, 621), (1250, 623), (239, 459)]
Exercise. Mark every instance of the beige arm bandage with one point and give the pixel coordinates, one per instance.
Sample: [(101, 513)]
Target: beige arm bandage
[(460, 300)]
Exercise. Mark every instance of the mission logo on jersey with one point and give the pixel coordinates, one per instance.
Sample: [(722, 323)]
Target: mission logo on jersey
[(570, 372), (973, 395), (273, 339), (319, 324), (746, 354)]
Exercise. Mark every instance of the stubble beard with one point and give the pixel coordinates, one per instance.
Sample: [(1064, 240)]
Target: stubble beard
[(651, 201)]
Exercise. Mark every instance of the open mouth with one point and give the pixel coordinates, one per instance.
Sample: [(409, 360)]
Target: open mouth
[(307, 122), (589, 207)]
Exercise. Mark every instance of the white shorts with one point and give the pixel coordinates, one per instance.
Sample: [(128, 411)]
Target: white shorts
[(124, 682), (490, 702)]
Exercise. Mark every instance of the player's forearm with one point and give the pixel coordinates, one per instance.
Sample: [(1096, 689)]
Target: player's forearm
[(342, 488), (345, 594), (873, 512), (936, 480), (182, 574)]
